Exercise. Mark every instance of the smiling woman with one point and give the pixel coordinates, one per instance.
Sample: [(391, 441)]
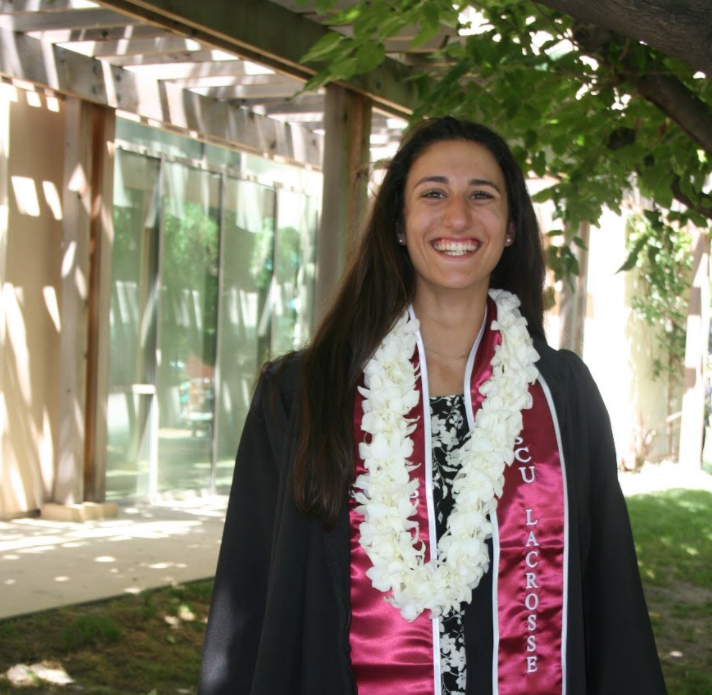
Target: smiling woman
[(425, 500)]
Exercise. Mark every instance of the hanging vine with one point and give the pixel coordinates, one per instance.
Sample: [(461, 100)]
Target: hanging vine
[(662, 255)]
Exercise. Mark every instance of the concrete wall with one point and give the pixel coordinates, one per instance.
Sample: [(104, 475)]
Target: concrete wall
[(31, 282)]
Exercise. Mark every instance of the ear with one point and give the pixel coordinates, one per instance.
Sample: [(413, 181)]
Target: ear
[(511, 235), (400, 233)]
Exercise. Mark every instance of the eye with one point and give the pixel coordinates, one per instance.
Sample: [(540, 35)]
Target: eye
[(433, 193), (481, 195)]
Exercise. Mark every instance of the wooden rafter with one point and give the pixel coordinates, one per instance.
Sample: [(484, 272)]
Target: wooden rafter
[(25, 58)]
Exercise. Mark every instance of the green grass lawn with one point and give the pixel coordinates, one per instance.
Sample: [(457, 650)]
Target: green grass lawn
[(127, 646), (152, 643), (673, 537)]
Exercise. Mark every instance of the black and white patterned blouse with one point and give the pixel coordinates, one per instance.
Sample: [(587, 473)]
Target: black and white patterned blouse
[(448, 431)]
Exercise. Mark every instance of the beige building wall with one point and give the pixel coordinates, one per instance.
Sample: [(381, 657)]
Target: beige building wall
[(620, 349), (31, 281)]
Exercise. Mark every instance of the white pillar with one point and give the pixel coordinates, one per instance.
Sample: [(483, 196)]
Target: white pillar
[(4, 186), (696, 346)]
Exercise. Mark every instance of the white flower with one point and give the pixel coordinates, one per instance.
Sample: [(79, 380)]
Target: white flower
[(388, 498)]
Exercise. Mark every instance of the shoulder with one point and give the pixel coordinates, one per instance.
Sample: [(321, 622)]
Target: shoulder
[(572, 386), (278, 385), (562, 366)]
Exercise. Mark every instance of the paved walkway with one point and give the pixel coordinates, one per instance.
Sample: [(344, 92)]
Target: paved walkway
[(47, 564)]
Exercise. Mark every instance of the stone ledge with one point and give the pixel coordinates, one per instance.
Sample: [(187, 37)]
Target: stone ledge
[(86, 511)]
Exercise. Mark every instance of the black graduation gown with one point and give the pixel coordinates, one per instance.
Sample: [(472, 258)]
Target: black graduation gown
[(279, 618)]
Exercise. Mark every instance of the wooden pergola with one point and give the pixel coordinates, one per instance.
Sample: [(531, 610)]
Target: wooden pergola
[(221, 71), (224, 71)]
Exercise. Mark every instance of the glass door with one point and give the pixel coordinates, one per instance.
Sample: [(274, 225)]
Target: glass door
[(131, 410), (243, 335), (187, 327)]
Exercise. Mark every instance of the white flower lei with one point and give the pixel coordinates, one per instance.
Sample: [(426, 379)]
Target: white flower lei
[(388, 498)]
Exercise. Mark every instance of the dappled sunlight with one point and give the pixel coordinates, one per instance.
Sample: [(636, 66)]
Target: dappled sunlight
[(672, 533), (22, 675), (26, 198), (46, 564), (52, 199), (50, 296)]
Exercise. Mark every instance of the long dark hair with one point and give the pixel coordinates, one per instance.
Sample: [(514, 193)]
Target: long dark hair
[(375, 290)]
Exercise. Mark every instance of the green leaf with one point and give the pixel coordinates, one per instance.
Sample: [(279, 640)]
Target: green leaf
[(426, 33), (323, 48), (633, 255), (369, 56)]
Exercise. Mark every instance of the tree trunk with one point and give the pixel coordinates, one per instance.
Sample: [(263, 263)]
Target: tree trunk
[(680, 28), (573, 300)]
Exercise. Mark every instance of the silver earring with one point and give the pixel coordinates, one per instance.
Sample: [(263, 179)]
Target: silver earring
[(401, 241), (509, 239)]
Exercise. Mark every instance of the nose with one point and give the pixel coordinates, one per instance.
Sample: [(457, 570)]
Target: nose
[(457, 213)]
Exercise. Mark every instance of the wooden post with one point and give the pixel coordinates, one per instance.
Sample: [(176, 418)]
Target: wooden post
[(101, 243), (696, 346), (347, 120), (572, 301), (69, 461)]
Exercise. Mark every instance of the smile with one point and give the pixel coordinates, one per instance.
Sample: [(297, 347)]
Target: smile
[(456, 248)]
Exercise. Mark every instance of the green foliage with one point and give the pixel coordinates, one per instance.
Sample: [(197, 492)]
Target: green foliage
[(673, 539), (574, 117), (124, 646), (190, 268), (662, 255)]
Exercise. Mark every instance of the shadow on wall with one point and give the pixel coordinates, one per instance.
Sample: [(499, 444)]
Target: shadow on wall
[(30, 293)]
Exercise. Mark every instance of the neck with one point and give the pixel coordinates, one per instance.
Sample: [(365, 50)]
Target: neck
[(449, 322)]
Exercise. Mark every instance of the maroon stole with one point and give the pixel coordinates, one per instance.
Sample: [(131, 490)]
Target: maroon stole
[(391, 655)]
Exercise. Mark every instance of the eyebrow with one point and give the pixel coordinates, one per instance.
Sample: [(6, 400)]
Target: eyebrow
[(471, 182)]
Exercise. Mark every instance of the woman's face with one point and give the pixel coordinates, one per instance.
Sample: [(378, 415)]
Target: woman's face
[(456, 216)]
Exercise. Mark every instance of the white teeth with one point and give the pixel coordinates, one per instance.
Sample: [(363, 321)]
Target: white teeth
[(456, 248)]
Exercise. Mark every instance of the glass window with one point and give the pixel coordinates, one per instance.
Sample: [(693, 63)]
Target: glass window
[(212, 275), (130, 407), (187, 335), (244, 329), (293, 284)]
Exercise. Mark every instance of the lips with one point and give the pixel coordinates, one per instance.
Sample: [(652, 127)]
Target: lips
[(456, 248)]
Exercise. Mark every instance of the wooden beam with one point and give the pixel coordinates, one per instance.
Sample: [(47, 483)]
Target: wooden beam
[(189, 68), (309, 7), (76, 204), (248, 94), (41, 5), (271, 34), (101, 243), (287, 85), (130, 46), (169, 58), (346, 157), (66, 19), (25, 58), (103, 34)]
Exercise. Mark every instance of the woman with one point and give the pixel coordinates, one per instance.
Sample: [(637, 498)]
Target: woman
[(328, 581)]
